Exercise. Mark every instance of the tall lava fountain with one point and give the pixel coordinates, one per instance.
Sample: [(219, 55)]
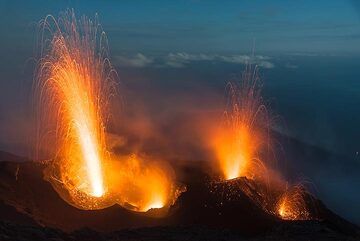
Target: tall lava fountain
[(74, 82), (73, 86)]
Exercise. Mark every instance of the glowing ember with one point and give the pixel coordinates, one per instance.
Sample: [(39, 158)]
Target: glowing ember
[(238, 140), (292, 204)]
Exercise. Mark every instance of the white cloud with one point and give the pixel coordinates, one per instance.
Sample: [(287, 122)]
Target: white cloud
[(260, 60), (138, 60), (181, 60)]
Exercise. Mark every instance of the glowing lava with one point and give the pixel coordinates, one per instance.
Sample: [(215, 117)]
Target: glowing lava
[(234, 150), (74, 82), (292, 204), (144, 185), (238, 140)]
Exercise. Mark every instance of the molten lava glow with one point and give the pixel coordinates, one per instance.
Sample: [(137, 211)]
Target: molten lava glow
[(144, 185), (234, 151), (73, 85), (74, 82), (292, 205), (91, 156), (286, 210), (238, 140)]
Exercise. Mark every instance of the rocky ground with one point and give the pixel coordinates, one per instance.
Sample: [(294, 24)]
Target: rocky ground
[(299, 231), (30, 209)]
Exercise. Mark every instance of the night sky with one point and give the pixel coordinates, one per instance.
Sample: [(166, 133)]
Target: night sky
[(308, 53)]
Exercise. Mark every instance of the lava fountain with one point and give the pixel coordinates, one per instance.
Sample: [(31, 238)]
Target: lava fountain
[(73, 84), (292, 204), (142, 184), (238, 140)]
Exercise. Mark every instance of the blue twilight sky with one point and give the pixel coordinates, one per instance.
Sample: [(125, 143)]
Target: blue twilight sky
[(202, 26)]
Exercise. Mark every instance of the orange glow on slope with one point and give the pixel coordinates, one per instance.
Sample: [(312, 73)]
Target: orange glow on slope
[(238, 140)]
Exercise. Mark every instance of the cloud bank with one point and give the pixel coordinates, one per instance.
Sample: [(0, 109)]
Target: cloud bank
[(182, 59), (138, 60)]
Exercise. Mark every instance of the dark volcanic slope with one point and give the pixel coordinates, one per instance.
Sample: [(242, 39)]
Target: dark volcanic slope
[(301, 231), (22, 186), (218, 206)]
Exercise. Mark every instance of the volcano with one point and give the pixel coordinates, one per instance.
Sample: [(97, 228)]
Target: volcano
[(208, 210)]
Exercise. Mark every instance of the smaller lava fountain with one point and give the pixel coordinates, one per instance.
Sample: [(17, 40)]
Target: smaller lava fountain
[(141, 184), (243, 152), (239, 140), (293, 205)]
